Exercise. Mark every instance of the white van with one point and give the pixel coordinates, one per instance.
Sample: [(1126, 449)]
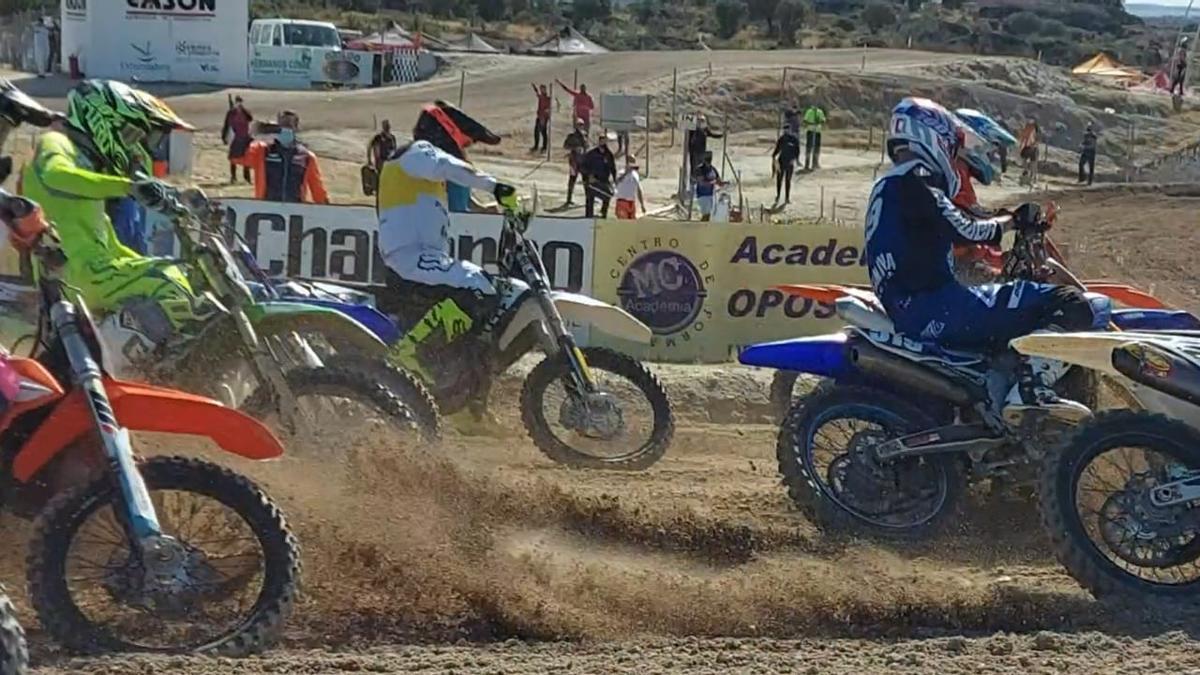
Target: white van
[(294, 33)]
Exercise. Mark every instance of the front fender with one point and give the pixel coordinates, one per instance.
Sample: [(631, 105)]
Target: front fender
[(142, 407), (581, 309), (277, 316)]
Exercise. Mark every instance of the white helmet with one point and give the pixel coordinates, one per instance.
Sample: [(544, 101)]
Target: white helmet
[(930, 133)]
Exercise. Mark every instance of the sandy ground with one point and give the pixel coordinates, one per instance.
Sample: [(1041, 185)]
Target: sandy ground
[(482, 556)]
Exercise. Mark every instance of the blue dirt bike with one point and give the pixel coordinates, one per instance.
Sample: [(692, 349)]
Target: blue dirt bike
[(887, 443)]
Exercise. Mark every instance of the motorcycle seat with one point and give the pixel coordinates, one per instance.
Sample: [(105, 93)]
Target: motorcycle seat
[(879, 329)]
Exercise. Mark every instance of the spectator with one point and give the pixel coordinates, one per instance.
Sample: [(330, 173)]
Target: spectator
[(707, 180), (236, 132), (791, 122), (814, 125), (1027, 143), (784, 158), (541, 125), (1087, 155), (576, 145), (629, 189), (697, 141), (583, 105), (599, 169), (381, 147), (285, 170), (1179, 71), (1001, 153)]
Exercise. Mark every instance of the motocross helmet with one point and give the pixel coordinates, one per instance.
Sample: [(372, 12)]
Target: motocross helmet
[(17, 108), (973, 151), (451, 129), (122, 125), (930, 133)]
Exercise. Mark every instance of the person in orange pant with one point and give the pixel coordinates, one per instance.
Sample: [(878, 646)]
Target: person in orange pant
[(285, 170)]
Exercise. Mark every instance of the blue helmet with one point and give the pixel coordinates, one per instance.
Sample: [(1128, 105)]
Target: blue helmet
[(931, 134)]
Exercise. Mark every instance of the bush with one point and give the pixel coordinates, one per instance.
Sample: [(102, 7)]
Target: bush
[(1022, 24), (877, 15), (1053, 28), (730, 14)]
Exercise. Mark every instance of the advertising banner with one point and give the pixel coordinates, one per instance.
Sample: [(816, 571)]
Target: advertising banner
[(283, 67), (76, 35), (705, 291), (168, 40), (347, 67), (339, 243)]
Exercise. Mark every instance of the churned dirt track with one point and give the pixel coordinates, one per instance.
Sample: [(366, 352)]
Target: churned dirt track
[(482, 556)]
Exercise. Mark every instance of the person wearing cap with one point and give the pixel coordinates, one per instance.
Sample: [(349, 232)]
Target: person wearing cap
[(236, 132), (576, 145), (629, 189), (599, 170)]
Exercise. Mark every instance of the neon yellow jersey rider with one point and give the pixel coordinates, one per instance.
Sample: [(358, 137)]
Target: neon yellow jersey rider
[(107, 138)]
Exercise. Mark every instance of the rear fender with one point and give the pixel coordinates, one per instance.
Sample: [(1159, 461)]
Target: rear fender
[(823, 355), (1125, 295), (142, 407), (281, 316)]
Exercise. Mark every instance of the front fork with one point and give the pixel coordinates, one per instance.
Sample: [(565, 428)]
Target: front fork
[(136, 512), (580, 381), (271, 360)]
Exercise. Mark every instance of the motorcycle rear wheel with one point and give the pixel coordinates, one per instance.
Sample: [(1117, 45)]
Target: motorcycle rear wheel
[(1098, 566), (553, 370), (14, 654), (808, 484), (59, 526)]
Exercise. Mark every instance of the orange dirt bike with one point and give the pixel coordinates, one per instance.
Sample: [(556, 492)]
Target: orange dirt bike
[(1034, 258), (166, 554)]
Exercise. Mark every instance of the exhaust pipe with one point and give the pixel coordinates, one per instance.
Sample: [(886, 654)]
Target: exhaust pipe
[(879, 363)]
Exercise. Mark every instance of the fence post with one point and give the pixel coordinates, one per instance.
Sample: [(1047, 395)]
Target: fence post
[(648, 153), (575, 82), (674, 104), (462, 87), (821, 213), (782, 95)]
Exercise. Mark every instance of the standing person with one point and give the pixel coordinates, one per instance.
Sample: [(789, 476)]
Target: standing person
[(697, 142), (1087, 155), (1179, 69), (599, 169), (576, 145), (1001, 150), (707, 180), (541, 125), (791, 122), (381, 147), (582, 105), (286, 170), (629, 189), (236, 132), (784, 156), (814, 125), (1028, 142)]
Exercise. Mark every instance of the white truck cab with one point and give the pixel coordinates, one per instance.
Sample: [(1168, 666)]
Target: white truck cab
[(294, 33)]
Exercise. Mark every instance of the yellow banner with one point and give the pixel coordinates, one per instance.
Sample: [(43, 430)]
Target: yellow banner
[(706, 289)]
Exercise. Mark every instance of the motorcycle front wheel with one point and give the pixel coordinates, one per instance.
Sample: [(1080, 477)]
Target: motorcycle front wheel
[(627, 425), (1097, 509), (14, 654), (228, 591)]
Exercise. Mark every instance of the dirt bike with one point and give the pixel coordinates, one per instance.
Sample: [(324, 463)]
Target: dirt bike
[(888, 444), (1034, 257), (14, 654), (269, 339), (596, 418), (115, 562)]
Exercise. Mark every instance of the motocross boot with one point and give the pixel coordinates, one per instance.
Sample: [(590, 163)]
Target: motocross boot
[(1034, 394), (446, 315)]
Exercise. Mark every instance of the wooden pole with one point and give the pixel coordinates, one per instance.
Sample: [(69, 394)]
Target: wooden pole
[(550, 123), (674, 103), (462, 88), (575, 84), (782, 96), (648, 153)]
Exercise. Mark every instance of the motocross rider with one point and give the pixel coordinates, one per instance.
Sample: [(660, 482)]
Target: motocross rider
[(106, 142), (455, 296), (911, 228)]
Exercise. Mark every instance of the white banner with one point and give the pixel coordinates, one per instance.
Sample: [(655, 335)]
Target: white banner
[(345, 67), (274, 67), (339, 243), (167, 40)]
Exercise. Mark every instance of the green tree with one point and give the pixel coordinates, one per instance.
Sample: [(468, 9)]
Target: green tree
[(764, 10), (789, 17), (877, 15), (1023, 23), (730, 14)]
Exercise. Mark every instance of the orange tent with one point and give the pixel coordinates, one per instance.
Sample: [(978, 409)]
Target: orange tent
[(1104, 66)]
